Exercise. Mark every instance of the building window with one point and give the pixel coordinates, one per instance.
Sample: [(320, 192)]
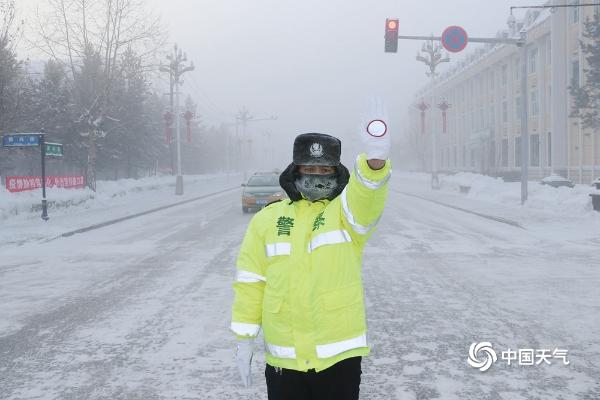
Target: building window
[(533, 55), (518, 151), (482, 85), (535, 104), (504, 112), (549, 146), (492, 116), (575, 81), (464, 156), (454, 157), (505, 152), (492, 153), (534, 150), (518, 107), (481, 119), (504, 75), (574, 12), (517, 69)]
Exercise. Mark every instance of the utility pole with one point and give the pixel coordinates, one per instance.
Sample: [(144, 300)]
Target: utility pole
[(176, 69), (243, 118), (172, 110)]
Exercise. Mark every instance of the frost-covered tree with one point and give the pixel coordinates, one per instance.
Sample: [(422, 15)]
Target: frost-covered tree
[(91, 37), (11, 73), (586, 98), (134, 134)]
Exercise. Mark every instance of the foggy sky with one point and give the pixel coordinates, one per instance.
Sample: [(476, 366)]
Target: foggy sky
[(310, 63)]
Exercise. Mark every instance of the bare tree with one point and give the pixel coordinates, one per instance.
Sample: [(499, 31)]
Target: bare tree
[(93, 35), (10, 67)]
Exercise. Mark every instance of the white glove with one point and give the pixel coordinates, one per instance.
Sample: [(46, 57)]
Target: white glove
[(376, 147), (243, 359)]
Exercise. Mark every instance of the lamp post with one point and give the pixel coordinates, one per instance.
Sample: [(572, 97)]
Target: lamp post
[(175, 69), (431, 55)]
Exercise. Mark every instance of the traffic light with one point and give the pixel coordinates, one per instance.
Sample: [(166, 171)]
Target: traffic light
[(391, 35)]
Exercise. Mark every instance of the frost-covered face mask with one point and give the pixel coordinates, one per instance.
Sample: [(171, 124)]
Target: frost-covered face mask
[(316, 186)]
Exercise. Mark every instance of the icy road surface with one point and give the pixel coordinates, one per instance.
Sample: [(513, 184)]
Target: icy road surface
[(140, 309)]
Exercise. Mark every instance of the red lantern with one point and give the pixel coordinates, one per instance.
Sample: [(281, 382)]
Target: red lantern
[(444, 106), (423, 107)]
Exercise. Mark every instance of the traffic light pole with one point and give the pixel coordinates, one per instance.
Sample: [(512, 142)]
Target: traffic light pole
[(521, 42)]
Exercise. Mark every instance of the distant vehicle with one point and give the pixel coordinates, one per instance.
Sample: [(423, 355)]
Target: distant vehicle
[(557, 181), (261, 189)]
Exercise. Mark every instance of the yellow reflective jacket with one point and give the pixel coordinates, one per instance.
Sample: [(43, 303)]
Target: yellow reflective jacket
[(299, 274)]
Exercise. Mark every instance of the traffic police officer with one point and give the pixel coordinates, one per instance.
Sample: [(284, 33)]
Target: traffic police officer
[(299, 271)]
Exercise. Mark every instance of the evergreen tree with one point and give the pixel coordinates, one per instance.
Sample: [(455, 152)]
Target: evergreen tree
[(586, 98), (11, 73)]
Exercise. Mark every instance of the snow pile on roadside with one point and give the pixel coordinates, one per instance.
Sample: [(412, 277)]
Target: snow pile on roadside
[(541, 197), (107, 192)]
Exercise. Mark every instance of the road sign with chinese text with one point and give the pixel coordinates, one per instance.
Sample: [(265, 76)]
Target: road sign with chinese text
[(54, 149), (21, 140)]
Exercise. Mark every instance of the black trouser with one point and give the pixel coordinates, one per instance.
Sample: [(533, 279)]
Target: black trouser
[(341, 381)]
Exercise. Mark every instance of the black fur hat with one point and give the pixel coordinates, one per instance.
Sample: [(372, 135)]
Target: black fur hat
[(317, 149)]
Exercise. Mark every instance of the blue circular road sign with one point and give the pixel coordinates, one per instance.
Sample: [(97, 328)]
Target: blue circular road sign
[(454, 39)]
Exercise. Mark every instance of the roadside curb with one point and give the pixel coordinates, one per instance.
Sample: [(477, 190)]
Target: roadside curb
[(140, 214)]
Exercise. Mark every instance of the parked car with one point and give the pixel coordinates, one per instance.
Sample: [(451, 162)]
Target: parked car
[(557, 181), (261, 189)]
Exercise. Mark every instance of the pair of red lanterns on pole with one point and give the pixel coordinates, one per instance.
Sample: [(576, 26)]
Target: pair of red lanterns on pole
[(169, 118), (443, 106)]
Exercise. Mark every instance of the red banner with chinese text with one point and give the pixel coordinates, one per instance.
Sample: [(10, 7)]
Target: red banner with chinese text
[(23, 183)]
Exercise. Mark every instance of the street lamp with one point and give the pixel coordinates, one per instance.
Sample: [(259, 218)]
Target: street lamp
[(431, 55), (176, 69)]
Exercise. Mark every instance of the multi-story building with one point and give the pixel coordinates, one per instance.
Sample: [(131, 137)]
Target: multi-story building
[(484, 90)]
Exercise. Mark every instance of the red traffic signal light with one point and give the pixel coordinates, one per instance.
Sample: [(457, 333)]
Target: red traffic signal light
[(391, 35)]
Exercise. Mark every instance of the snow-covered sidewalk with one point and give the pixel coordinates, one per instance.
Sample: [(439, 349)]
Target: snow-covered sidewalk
[(71, 209), (552, 212)]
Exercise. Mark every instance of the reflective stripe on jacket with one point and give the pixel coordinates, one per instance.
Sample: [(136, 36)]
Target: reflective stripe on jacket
[(299, 274)]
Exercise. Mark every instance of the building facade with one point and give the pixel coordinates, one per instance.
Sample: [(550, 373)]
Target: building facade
[(483, 125)]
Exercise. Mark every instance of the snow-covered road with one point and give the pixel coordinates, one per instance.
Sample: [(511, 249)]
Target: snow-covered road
[(140, 309)]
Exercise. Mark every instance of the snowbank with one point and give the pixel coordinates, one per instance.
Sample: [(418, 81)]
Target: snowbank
[(563, 200), (28, 203)]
